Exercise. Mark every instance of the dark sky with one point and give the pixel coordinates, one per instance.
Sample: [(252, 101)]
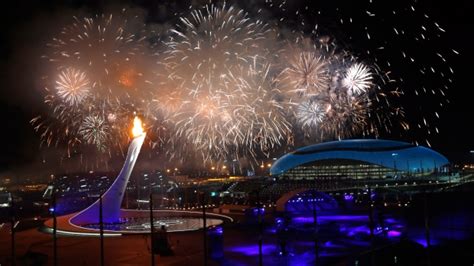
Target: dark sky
[(27, 25)]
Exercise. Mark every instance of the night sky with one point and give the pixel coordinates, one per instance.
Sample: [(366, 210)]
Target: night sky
[(26, 26)]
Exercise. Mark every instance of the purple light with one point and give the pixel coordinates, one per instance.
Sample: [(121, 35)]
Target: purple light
[(331, 218), (332, 245), (393, 233), (390, 220), (343, 218), (302, 220), (271, 230), (348, 197), (252, 250), (421, 241), (352, 231), (256, 211)]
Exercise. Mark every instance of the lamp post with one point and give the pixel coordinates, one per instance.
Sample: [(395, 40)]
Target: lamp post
[(371, 225), (55, 225), (138, 192), (260, 223), (224, 169), (152, 230), (315, 224), (13, 222), (427, 227), (233, 166), (260, 230), (101, 228), (204, 229)]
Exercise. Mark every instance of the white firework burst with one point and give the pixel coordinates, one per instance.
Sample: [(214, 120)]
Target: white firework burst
[(310, 113), (307, 74), (358, 79), (94, 130), (72, 86), (223, 100)]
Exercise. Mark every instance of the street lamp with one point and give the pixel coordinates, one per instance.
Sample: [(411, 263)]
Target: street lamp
[(224, 170)]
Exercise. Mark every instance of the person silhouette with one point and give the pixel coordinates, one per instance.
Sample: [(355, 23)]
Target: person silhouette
[(162, 243)]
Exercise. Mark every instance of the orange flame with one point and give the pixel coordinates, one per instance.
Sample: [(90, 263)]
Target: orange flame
[(137, 129)]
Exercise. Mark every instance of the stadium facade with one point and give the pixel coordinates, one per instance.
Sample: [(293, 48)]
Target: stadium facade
[(360, 159)]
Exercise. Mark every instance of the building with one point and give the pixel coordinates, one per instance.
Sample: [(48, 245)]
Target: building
[(360, 159)]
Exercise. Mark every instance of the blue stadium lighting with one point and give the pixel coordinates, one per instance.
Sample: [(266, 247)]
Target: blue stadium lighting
[(348, 197), (397, 155)]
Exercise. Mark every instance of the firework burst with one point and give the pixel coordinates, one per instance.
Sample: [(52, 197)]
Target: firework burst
[(310, 114), (306, 74), (215, 56), (98, 82), (104, 48), (358, 79), (94, 131), (224, 85), (73, 86), (344, 117), (260, 113)]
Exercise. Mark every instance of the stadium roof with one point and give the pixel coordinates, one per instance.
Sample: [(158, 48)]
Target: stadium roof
[(399, 155)]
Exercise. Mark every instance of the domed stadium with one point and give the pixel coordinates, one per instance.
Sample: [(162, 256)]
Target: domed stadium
[(360, 159)]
